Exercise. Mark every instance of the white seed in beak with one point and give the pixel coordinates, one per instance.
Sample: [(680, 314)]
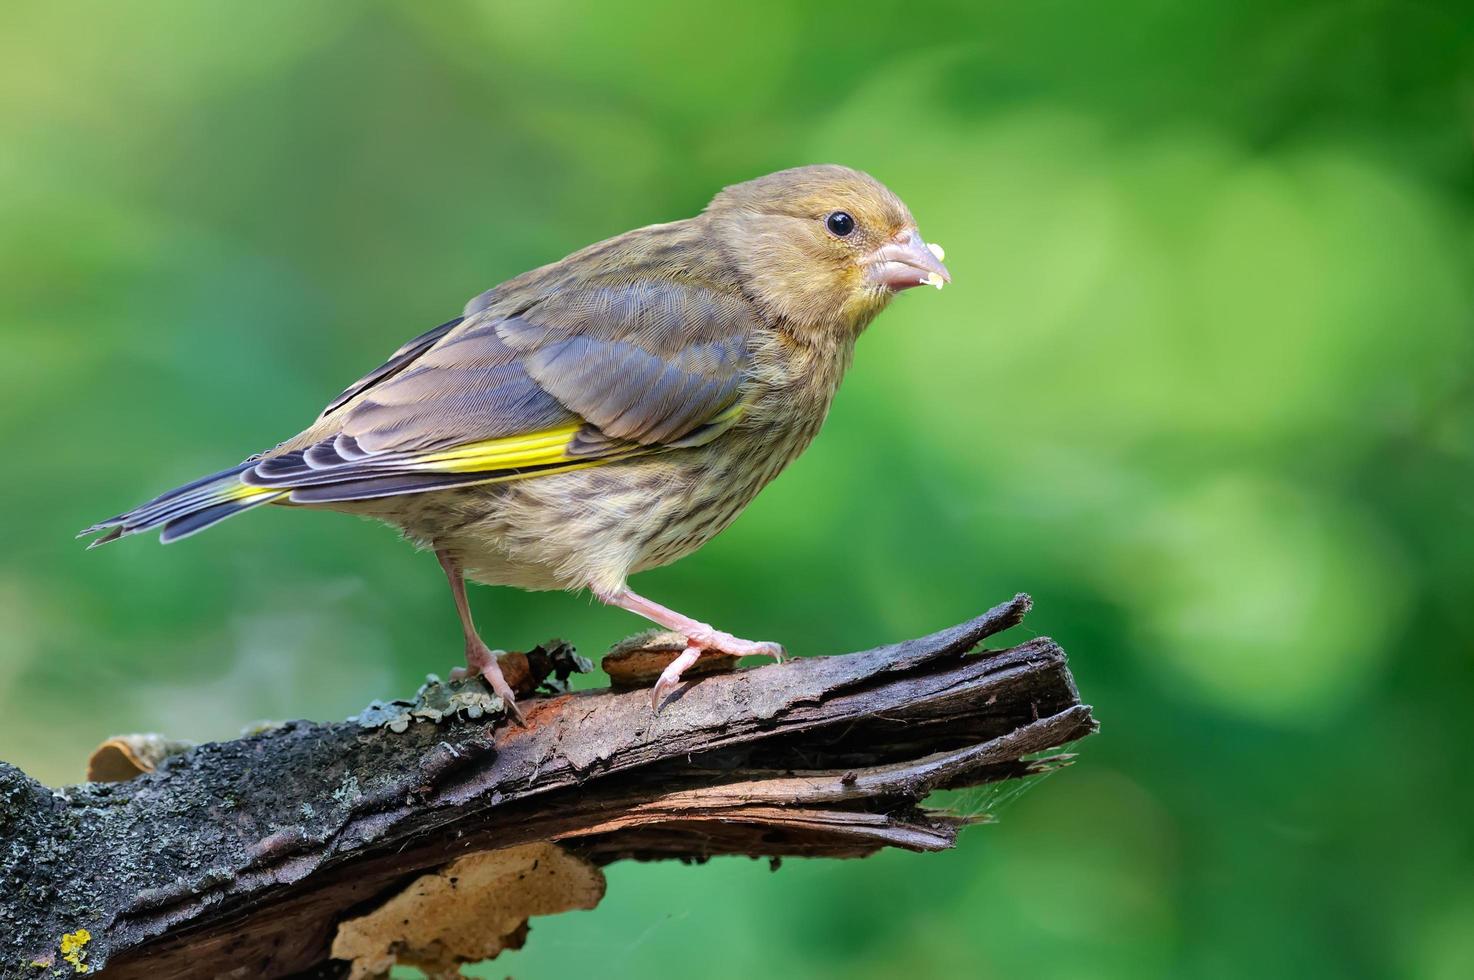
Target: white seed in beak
[(938, 251), (932, 279)]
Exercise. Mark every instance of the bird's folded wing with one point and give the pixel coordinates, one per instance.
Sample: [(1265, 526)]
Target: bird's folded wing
[(398, 361), (580, 377)]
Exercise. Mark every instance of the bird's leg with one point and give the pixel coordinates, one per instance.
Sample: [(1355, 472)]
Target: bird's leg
[(479, 657), (699, 636)]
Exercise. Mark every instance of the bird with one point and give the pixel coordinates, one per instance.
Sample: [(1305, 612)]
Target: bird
[(604, 414)]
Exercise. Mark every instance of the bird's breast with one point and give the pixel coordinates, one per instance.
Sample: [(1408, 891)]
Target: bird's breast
[(706, 492), (785, 411), (593, 527)]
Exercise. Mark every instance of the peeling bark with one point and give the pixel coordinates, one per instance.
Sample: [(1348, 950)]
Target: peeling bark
[(241, 858)]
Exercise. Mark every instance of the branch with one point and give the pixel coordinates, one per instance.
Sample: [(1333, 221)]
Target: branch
[(246, 855)]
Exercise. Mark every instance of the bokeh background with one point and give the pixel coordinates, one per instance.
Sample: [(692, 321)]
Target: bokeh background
[(1203, 386)]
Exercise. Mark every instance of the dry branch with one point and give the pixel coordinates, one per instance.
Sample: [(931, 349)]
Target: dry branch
[(241, 858)]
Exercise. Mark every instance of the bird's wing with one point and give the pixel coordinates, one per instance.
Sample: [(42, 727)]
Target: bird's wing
[(584, 375), (397, 362)]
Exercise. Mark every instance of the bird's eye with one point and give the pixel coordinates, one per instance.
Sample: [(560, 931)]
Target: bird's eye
[(840, 223)]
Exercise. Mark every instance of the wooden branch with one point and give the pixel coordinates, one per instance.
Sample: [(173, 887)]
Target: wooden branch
[(245, 855)]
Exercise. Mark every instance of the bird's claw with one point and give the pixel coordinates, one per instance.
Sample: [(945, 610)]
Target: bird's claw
[(516, 713), (483, 662), (717, 642), (670, 677), (492, 674)]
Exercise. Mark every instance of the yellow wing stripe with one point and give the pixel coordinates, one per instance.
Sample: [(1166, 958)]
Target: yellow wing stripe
[(538, 449), (512, 452), (245, 492)]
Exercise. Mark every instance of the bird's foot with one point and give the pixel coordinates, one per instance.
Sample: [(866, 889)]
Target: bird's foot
[(706, 638), (702, 637), (480, 659), (699, 636)]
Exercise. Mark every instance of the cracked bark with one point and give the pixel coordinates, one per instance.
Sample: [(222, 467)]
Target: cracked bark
[(240, 858)]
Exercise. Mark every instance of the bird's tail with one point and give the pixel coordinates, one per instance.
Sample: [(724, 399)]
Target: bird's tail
[(188, 509)]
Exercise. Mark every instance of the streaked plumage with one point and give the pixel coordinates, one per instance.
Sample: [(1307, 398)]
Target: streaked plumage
[(604, 414)]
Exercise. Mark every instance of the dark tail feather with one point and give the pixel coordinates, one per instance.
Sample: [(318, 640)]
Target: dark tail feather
[(187, 509), (196, 521), (396, 484), (385, 486)]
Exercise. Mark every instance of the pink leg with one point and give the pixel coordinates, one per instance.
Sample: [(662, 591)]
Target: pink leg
[(479, 657), (699, 636)]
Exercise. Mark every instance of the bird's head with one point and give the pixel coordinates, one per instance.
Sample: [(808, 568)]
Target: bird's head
[(825, 247)]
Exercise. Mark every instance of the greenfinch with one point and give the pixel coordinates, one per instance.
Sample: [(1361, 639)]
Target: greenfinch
[(605, 414)]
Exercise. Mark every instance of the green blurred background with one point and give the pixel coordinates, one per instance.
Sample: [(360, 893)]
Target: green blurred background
[(1202, 386)]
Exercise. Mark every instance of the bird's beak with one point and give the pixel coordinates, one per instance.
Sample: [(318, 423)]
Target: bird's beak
[(907, 261)]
